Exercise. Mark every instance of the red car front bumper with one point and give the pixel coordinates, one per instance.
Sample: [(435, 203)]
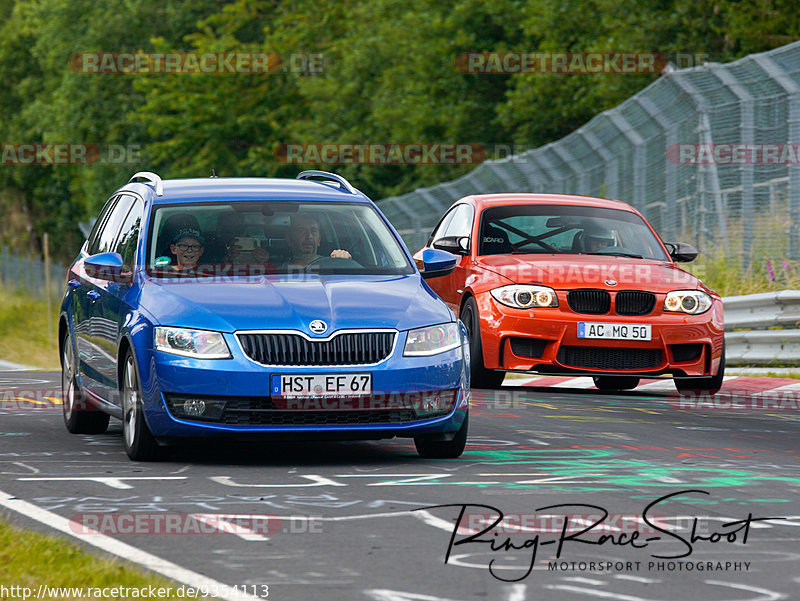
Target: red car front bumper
[(547, 340)]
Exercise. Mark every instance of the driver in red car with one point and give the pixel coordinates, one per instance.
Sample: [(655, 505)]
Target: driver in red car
[(304, 240), (597, 238)]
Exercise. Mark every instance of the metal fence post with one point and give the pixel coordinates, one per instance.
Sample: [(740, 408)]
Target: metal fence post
[(571, 162), (415, 222), (747, 137), (639, 159), (793, 90), (666, 226), (610, 160), (704, 128), (540, 160)]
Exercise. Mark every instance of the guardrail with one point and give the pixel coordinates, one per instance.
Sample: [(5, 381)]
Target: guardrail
[(763, 329)]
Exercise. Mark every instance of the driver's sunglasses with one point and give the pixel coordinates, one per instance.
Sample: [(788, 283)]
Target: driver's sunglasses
[(192, 247)]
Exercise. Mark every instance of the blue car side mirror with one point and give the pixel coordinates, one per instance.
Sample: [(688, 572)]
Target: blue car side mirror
[(437, 263), (106, 266)]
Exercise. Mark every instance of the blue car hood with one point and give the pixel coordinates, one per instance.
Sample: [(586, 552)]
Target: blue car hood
[(291, 303)]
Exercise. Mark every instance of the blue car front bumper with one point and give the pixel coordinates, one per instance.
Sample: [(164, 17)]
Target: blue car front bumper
[(164, 376)]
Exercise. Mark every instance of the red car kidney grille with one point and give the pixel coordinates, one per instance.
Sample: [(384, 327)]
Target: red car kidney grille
[(591, 302)]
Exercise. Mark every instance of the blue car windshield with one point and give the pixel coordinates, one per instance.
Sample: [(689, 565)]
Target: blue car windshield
[(272, 237)]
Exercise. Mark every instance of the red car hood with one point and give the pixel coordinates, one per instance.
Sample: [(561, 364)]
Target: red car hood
[(590, 271)]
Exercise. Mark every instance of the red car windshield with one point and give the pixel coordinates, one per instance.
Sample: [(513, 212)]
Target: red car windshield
[(567, 229)]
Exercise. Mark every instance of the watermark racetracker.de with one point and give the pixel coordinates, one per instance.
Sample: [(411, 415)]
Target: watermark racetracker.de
[(50, 154), (734, 154), (184, 524), (195, 63), (575, 63)]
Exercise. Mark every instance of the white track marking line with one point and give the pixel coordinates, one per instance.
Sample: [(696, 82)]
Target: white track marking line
[(382, 594), (636, 579), (345, 518), (768, 595), (120, 549), (315, 481), (516, 592), (112, 482), (8, 366), (582, 580), (594, 592), (228, 523)]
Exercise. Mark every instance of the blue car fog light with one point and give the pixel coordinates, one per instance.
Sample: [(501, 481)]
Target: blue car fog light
[(194, 408), (432, 403)]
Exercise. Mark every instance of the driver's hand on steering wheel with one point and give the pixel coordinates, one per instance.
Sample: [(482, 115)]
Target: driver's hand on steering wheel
[(340, 254)]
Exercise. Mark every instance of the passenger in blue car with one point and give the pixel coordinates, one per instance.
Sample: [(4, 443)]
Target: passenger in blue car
[(304, 240), (187, 246)]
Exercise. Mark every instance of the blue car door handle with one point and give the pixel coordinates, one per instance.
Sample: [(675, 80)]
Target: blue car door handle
[(93, 294), (74, 284)]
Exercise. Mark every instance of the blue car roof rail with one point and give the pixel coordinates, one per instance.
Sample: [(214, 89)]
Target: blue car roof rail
[(343, 183), (153, 178)]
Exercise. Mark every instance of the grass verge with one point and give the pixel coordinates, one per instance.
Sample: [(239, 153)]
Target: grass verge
[(24, 336), (30, 559), (768, 267)]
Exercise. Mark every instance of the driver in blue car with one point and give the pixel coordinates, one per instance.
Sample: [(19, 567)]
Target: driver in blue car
[(304, 240)]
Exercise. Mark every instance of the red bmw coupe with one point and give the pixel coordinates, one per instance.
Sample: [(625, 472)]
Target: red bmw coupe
[(562, 284)]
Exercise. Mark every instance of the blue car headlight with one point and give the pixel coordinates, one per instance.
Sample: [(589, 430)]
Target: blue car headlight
[(432, 340), (200, 344)]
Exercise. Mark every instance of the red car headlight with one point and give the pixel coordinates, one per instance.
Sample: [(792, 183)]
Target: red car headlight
[(692, 302), (525, 297)]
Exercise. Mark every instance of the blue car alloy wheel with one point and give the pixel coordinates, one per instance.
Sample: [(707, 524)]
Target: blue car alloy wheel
[(258, 307)]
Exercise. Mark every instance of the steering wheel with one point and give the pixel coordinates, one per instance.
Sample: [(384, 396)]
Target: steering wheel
[(328, 262)]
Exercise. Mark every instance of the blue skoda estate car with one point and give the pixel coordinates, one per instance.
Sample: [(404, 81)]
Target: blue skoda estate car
[(210, 307)]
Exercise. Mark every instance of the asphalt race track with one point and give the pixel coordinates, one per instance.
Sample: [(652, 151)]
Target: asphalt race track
[(336, 521)]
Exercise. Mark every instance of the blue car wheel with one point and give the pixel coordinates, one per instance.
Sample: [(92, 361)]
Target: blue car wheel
[(78, 416), (140, 445), (429, 447)]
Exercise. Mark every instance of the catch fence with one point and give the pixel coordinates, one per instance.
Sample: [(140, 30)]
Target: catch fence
[(27, 274), (707, 154)]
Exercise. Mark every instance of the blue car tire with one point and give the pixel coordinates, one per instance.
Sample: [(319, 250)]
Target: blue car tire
[(79, 418), (140, 444), (429, 448)]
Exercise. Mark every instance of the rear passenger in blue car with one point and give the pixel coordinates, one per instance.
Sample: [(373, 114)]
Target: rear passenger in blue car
[(172, 225)]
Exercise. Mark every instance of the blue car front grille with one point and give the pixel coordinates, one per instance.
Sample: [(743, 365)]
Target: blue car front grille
[(348, 348), (318, 418), (264, 411)]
